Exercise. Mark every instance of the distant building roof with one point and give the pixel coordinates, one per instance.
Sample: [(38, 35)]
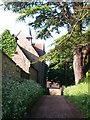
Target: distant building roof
[(40, 48), (21, 60), (27, 53)]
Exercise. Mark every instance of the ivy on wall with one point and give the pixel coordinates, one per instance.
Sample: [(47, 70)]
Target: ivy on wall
[(8, 43)]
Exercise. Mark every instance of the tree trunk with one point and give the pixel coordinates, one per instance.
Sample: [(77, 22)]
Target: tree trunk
[(80, 62), (86, 58), (77, 65)]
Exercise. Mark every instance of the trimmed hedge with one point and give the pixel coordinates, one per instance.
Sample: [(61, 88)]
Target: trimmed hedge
[(18, 97)]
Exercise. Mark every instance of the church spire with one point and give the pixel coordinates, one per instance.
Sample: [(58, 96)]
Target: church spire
[(29, 37)]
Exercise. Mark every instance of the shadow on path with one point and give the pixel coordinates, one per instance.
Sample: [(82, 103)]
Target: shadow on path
[(54, 107)]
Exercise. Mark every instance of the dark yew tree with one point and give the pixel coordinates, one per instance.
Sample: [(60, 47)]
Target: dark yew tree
[(49, 17)]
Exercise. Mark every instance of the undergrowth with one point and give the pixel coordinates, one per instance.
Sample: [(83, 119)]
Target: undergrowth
[(80, 95)]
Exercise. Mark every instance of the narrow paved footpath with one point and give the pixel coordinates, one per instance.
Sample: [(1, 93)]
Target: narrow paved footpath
[(54, 107)]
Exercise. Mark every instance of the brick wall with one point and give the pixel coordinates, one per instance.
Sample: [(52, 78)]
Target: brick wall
[(10, 69), (33, 74), (37, 71), (42, 71)]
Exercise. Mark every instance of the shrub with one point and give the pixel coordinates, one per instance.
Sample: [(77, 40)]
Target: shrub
[(79, 94), (18, 97)]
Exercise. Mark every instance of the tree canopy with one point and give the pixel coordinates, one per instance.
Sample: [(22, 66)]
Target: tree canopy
[(49, 17), (61, 57)]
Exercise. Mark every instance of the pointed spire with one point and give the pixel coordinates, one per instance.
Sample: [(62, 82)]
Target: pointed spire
[(30, 35), (30, 32)]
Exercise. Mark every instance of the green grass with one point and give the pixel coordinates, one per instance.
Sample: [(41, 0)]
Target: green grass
[(80, 95), (18, 97)]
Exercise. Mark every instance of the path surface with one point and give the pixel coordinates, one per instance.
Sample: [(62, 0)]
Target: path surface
[(54, 107)]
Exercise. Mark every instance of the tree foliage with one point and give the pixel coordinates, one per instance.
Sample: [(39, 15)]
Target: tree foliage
[(64, 46), (8, 43), (61, 57), (49, 17)]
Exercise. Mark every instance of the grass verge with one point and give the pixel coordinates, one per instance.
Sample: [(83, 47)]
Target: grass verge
[(80, 95)]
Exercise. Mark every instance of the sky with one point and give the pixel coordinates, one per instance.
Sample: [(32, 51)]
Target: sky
[(8, 20)]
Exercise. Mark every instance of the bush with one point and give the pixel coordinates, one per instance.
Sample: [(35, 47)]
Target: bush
[(79, 94), (18, 97)]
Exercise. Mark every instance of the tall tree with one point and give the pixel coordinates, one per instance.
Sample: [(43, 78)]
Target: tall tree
[(49, 16)]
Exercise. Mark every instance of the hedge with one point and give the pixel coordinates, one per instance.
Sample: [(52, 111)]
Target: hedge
[(18, 96)]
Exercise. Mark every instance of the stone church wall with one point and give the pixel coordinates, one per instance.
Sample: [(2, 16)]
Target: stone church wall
[(10, 70)]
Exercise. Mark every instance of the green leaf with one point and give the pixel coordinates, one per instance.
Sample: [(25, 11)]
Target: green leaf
[(8, 43)]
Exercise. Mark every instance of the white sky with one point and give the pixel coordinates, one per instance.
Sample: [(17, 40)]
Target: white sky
[(8, 21)]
